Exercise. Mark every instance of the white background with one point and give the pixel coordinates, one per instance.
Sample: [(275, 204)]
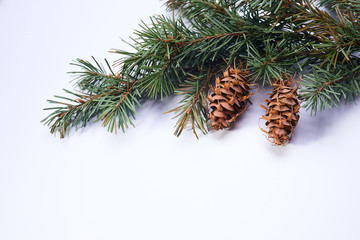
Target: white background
[(146, 183)]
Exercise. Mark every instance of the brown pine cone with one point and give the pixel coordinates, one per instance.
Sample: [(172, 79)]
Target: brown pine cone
[(229, 98), (282, 111)]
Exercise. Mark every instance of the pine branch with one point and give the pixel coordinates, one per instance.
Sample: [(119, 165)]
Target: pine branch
[(216, 33), (273, 37), (154, 60), (122, 109), (336, 38), (352, 7), (277, 59), (270, 6), (211, 17), (198, 8), (94, 79), (165, 47), (327, 87), (115, 108), (193, 106)]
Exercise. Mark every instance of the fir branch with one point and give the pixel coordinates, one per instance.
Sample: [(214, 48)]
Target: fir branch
[(163, 48), (269, 6), (197, 8), (94, 79), (115, 108), (212, 17), (273, 37), (352, 7), (336, 38), (121, 110), (213, 37), (327, 88), (212, 49), (275, 60), (154, 60), (193, 106)]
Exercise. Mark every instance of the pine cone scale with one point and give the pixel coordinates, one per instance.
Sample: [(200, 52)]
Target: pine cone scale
[(229, 98)]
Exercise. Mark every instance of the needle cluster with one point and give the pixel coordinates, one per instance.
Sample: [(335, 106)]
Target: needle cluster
[(184, 54)]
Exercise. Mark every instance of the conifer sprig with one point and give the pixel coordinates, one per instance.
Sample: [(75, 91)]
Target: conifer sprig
[(273, 37), (103, 97), (154, 60), (114, 108), (192, 9), (193, 107), (328, 87), (352, 7), (336, 39), (94, 79), (276, 59)]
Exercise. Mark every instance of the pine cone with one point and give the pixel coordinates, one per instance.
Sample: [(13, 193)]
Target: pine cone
[(230, 97), (282, 111)]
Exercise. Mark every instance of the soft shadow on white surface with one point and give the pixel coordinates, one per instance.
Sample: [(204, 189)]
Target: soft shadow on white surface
[(324, 124), (147, 183)]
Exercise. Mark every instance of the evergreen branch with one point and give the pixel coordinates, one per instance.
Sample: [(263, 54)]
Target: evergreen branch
[(93, 79), (336, 38), (352, 7), (270, 6), (192, 8), (324, 88), (277, 59), (213, 37), (175, 4), (116, 105), (273, 37), (212, 49), (121, 110), (76, 114), (193, 106), (211, 17), (163, 48), (154, 60)]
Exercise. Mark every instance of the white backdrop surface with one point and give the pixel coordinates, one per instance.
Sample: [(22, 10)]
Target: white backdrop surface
[(146, 183)]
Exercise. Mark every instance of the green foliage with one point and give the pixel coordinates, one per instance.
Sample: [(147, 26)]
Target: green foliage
[(154, 63), (93, 79), (350, 6), (272, 37), (193, 107), (327, 87), (336, 39), (106, 98), (114, 108), (277, 59), (195, 9)]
